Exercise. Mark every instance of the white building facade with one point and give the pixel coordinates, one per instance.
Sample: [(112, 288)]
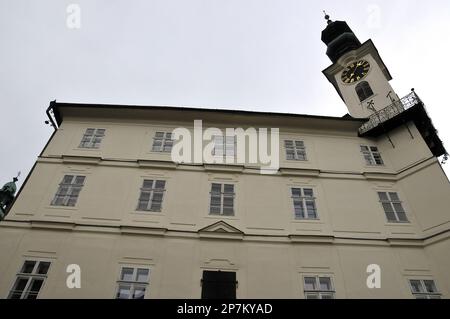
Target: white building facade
[(358, 207)]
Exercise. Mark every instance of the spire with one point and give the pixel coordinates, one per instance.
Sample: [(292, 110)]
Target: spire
[(7, 193), (327, 17), (339, 38)]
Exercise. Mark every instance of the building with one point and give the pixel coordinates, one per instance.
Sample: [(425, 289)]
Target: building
[(355, 199)]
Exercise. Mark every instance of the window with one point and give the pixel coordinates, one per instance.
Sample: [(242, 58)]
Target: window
[(133, 283), (304, 203), (219, 285), (222, 199), (318, 287), (224, 146), (30, 280), (363, 90), (151, 197), (92, 138), (424, 289), (162, 142), (392, 207), (295, 150), (68, 191), (372, 155)]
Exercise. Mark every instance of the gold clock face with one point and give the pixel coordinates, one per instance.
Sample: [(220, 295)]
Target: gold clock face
[(355, 71)]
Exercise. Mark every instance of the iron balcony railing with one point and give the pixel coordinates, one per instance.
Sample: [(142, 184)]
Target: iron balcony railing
[(390, 111)]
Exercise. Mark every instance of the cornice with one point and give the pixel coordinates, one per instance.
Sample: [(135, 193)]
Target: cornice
[(226, 232), (388, 175)]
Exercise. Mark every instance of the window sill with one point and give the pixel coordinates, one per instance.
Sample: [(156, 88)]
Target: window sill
[(403, 224), (146, 213), (88, 149), (375, 166), (61, 207), (307, 221)]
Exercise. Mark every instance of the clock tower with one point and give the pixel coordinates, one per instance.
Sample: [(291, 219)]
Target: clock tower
[(358, 73)]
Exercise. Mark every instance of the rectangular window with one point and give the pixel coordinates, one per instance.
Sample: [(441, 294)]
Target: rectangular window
[(304, 203), (133, 283), (92, 138), (222, 199), (219, 285), (372, 155), (318, 287), (162, 142), (68, 191), (295, 150), (424, 289), (152, 192), (224, 146), (29, 280), (392, 207)]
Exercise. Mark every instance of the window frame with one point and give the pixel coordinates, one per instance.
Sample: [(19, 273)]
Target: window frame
[(30, 277), (369, 155), (366, 90), (70, 188), (304, 200), (90, 144), (225, 144), (300, 154), (151, 196), (425, 293), (164, 139), (223, 195), (391, 203), (133, 284), (318, 291)]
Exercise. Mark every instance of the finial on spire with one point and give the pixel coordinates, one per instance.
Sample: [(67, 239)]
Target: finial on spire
[(327, 17), (17, 177)]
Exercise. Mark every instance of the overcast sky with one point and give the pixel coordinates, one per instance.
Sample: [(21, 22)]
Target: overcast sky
[(261, 55)]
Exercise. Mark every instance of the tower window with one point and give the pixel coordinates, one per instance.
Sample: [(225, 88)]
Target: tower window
[(363, 90)]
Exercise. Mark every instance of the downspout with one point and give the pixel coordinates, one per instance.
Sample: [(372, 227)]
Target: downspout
[(49, 115)]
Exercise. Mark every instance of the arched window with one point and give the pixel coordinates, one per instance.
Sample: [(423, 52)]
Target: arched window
[(363, 90)]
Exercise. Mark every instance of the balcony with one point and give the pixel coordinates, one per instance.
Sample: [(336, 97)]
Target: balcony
[(399, 114), (389, 112)]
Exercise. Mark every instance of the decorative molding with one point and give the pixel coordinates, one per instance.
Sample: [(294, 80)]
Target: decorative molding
[(157, 164), (91, 160), (221, 230), (224, 168), (224, 231), (311, 239), (285, 171)]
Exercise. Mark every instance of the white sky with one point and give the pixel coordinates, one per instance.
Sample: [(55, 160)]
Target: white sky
[(261, 55)]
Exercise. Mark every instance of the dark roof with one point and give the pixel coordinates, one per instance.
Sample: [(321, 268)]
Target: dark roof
[(55, 107)]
